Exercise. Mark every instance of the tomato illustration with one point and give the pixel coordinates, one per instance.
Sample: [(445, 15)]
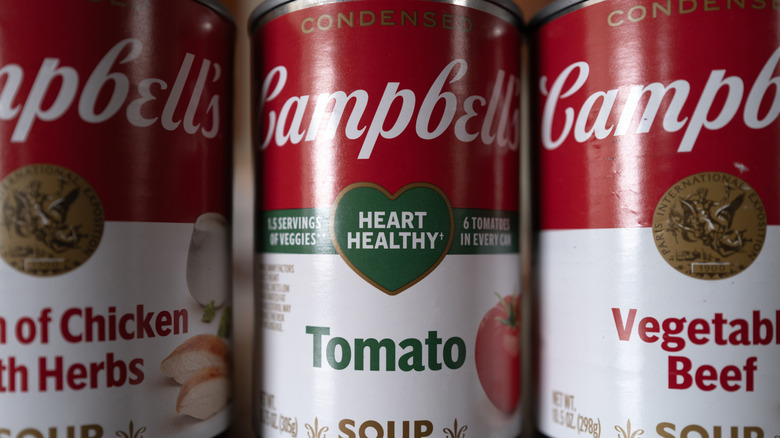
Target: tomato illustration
[(497, 353)]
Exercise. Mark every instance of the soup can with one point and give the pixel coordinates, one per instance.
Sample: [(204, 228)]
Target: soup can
[(115, 182), (658, 214), (387, 269)]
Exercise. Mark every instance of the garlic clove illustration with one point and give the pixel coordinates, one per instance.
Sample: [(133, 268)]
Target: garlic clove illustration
[(196, 353), (208, 261), (205, 393)]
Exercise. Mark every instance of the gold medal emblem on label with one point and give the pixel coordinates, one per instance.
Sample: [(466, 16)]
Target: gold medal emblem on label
[(710, 225), (51, 220)]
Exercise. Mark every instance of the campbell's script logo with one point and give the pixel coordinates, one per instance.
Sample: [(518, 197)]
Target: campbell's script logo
[(493, 120), (706, 115), (51, 221), (711, 225), (106, 92)]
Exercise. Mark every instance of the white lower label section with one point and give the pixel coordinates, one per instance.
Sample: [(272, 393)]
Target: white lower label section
[(629, 344), (340, 358), (81, 353)]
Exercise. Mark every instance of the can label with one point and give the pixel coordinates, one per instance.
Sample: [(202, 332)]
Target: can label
[(660, 220), (114, 210), (387, 234)]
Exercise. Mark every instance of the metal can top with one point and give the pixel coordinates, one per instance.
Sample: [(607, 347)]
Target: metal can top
[(219, 8), (259, 14), (556, 9)]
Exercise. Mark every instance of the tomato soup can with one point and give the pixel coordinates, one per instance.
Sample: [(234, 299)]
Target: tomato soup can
[(658, 214), (387, 150), (115, 182)]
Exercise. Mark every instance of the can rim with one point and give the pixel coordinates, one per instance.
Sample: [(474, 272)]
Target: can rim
[(268, 5), (219, 8), (557, 9)]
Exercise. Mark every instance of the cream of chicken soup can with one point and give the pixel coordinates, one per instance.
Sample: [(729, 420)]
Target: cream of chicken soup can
[(386, 141), (115, 176), (658, 158)]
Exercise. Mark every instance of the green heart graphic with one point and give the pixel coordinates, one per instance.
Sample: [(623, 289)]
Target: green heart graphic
[(392, 241)]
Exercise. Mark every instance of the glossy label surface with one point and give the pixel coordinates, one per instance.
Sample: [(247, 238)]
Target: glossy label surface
[(114, 219), (659, 164), (388, 266)]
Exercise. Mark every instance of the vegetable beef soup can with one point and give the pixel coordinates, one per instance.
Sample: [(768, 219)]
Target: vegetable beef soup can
[(658, 211), (115, 199), (387, 149)]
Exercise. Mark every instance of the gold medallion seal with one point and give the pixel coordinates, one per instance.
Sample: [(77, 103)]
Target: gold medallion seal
[(51, 220), (710, 225)]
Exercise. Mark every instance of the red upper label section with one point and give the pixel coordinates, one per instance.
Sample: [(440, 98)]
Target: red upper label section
[(135, 98), (632, 97), (388, 92)]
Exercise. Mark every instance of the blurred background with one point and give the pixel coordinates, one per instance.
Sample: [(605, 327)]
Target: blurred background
[(243, 211)]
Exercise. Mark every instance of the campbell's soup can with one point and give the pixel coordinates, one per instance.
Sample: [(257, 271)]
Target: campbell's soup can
[(387, 145), (115, 176), (658, 210)]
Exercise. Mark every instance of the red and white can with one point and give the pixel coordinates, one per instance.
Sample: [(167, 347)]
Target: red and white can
[(658, 146), (387, 137), (115, 177)]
